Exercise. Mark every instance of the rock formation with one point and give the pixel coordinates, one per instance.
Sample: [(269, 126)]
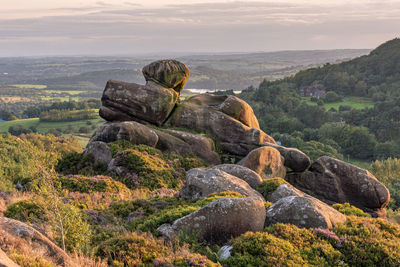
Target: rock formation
[(149, 115)]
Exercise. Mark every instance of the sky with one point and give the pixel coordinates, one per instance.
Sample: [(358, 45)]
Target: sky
[(132, 27)]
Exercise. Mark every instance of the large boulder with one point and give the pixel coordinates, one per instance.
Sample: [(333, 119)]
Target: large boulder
[(294, 158), (223, 218), (123, 101), (228, 119), (168, 73), (303, 211), (335, 181), (246, 174), (27, 240), (5, 260), (266, 161)]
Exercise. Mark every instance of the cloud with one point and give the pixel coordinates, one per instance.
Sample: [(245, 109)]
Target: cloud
[(208, 27)]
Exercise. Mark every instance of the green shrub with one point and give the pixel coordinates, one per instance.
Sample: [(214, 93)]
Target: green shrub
[(78, 183), (348, 209), (132, 249), (25, 210), (270, 185), (76, 163)]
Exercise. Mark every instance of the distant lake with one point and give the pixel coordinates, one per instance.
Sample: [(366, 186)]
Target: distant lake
[(2, 120), (202, 91)]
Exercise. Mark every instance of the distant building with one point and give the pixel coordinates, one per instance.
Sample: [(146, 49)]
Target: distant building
[(316, 90)]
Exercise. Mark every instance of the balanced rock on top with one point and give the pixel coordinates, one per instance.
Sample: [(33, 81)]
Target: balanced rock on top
[(149, 103)]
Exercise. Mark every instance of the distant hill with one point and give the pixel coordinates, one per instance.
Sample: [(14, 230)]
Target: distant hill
[(375, 73)]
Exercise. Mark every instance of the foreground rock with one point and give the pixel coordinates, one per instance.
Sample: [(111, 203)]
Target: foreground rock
[(5, 260), (304, 211), (152, 102), (334, 181), (168, 141), (27, 240), (221, 219), (228, 119), (294, 158), (266, 161)]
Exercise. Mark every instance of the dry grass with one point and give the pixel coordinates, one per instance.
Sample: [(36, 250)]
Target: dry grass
[(88, 260)]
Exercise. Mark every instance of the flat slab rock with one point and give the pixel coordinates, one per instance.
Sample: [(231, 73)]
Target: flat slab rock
[(297, 208), (335, 181)]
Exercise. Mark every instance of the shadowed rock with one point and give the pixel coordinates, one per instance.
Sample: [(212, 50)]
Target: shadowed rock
[(169, 141), (335, 181), (266, 161), (123, 101), (100, 152)]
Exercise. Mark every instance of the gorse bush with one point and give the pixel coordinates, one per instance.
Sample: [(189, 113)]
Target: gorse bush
[(348, 209)]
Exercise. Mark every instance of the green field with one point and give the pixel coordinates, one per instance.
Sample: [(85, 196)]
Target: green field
[(30, 86), (353, 101), (43, 127)]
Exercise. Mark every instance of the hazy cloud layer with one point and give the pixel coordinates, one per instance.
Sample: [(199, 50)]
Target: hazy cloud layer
[(103, 28)]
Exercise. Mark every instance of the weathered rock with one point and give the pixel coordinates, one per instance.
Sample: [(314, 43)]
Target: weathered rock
[(100, 152), (204, 112), (266, 161), (21, 236), (123, 101), (221, 219), (249, 176), (186, 144), (5, 261), (168, 73), (131, 131), (294, 158), (335, 181), (303, 211), (201, 182)]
